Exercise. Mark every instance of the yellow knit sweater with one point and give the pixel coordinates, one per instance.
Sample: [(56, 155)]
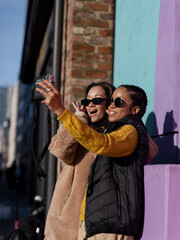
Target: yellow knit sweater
[(119, 143)]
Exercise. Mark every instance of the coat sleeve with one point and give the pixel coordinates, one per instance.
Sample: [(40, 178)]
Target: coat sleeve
[(63, 145)]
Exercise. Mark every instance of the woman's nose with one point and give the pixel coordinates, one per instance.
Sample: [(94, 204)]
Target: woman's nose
[(112, 105), (91, 104)]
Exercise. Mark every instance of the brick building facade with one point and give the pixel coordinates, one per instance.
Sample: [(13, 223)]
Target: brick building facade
[(87, 49)]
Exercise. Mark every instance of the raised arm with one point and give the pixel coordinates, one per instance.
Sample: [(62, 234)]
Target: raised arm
[(121, 142)]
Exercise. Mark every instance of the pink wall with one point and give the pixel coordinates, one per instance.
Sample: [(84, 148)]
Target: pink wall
[(167, 66), (162, 195)]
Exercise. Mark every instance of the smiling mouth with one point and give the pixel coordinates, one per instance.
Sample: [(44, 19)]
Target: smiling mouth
[(110, 113), (92, 112)]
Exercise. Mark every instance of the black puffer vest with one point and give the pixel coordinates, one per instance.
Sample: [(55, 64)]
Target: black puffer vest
[(115, 195)]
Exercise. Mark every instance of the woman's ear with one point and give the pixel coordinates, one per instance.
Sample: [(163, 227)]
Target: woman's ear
[(135, 110)]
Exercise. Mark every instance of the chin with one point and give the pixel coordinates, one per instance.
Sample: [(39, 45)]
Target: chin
[(111, 120), (93, 120)]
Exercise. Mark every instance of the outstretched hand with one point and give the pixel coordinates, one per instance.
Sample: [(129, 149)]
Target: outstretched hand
[(53, 99)]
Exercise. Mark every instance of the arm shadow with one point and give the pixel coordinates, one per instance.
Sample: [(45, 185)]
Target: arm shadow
[(168, 152)]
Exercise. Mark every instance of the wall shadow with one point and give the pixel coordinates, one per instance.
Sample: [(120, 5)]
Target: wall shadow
[(168, 152)]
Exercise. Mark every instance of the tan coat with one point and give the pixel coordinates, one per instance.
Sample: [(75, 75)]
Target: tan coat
[(64, 213)]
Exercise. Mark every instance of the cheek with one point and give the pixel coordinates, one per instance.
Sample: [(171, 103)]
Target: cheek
[(102, 109), (124, 112), (121, 113), (87, 109)]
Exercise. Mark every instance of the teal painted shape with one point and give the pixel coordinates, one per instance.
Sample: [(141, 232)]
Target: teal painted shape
[(136, 31)]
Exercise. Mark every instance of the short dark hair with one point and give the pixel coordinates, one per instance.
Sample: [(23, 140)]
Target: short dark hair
[(138, 97)]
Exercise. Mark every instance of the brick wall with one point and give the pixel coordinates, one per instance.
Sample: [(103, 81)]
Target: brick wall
[(87, 46)]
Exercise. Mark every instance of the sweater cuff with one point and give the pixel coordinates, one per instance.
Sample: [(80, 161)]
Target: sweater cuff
[(65, 113)]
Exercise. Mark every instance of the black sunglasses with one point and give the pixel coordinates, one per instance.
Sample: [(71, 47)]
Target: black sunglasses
[(95, 101), (117, 102)]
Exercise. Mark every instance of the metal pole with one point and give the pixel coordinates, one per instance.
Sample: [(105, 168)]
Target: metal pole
[(57, 52)]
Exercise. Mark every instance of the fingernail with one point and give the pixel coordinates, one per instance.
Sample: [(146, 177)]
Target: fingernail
[(45, 80), (40, 83), (37, 88)]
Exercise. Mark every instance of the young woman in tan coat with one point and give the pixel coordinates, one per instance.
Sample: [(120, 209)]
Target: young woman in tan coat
[(63, 218)]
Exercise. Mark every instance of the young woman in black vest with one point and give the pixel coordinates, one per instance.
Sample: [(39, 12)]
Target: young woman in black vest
[(115, 195)]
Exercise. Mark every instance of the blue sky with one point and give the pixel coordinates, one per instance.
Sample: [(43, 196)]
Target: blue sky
[(12, 28)]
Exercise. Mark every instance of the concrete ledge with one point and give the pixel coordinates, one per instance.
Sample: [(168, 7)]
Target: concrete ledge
[(162, 202)]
